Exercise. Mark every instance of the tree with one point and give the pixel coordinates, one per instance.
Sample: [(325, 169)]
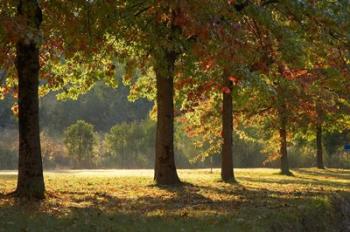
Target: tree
[(131, 145), (237, 33), (227, 131), (146, 28), (30, 170), (80, 139), (164, 32), (325, 80), (165, 169)]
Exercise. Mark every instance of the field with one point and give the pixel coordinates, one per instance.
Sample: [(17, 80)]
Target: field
[(128, 200)]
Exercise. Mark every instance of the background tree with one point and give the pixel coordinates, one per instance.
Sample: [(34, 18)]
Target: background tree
[(80, 139), (131, 145)]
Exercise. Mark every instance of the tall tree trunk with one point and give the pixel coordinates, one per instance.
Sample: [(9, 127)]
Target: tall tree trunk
[(165, 170), (283, 141), (30, 171), (319, 149), (319, 154), (227, 129), (283, 152)]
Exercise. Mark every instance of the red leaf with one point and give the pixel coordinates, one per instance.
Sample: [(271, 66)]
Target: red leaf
[(234, 79), (226, 90)]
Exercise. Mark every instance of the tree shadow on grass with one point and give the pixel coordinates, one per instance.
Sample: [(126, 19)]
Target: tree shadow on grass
[(300, 180), (183, 194), (187, 208), (326, 173), (216, 206), (3, 196)]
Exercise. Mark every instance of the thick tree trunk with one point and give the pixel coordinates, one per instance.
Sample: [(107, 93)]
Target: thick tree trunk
[(165, 170), (283, 142), (30, 171), (227, 129)]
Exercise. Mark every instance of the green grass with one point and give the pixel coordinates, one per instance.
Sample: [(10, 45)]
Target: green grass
[(121, 200)]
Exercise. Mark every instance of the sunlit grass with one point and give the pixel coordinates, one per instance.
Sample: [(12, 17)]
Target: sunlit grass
[(128, 200)]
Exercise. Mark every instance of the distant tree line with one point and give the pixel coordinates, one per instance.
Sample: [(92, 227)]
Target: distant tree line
[(130, 145)]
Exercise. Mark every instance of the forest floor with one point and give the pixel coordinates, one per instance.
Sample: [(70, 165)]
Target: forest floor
[(128, 200)]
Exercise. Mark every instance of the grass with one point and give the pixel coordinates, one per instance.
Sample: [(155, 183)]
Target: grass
[(128, 200)]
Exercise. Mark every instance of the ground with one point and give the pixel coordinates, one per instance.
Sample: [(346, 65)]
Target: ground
[(128, 200)]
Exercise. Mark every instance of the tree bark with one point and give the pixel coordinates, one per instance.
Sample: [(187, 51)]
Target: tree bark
[(30, 182), (165, 170), (319, 154), (283, 141), (283, 152), (227, 130), (319, 148)]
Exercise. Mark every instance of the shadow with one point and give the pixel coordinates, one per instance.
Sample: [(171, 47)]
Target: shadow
[(186, 209), (291, 174), (326, 173), (102, 199), (181, 184), (185, 194), (4, 196), (299, 181), (232, 182)]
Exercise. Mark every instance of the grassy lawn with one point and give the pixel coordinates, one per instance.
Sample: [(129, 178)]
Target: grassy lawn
[(128, 200)]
